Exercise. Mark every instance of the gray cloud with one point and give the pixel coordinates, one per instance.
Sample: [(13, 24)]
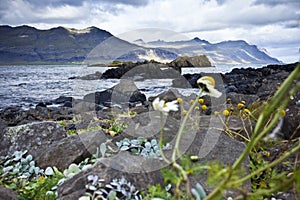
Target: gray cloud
[(278, 2), (54, 3), (125, 2), (77, 3), (31, 11)]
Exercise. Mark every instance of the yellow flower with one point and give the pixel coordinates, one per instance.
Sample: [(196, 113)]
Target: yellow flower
[(204, 107), (216, 113), (226, 112), (265, 103), (41, 179), (197, 108), (179, 100), (246, 111), (184, 112), (201, 101), (240, 106), (207, 83), (192, 101), (267, 154), (283, 113), (243, 102)]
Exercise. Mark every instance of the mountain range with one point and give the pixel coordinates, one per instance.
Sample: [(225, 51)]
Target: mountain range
[(25, 44)]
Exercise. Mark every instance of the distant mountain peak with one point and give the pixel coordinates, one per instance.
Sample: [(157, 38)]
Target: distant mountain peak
[(61, 44), (139, 42), (196, 39)]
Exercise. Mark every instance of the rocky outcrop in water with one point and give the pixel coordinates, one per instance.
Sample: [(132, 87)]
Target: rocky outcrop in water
[(143, 70), (195, 61), (123, 93), (95, 76)]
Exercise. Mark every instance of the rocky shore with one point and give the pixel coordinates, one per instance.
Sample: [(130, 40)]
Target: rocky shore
[(44, 130)]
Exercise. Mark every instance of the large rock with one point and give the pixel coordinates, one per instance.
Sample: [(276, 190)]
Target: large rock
[(32, 137), (195, 61), (123, 93), (109, 169), (149, 70), (95, 76), (7, 194), (15, 115), (72, 149)]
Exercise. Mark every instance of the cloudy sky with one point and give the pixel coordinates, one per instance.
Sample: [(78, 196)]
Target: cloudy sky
[(270, 24)]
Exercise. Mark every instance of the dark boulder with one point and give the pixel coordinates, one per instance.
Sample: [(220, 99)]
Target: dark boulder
[(12, 116), (7, 194), (143, 71), (32, 137), (62, 99), (72, 149), (95, 76), (195, 61), (41, 104), (126, 91)]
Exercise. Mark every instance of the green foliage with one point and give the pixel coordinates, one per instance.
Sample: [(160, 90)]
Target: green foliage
[(72, 132), (89, 129), (41, 189), (297, 180), (116, 189), (17, 170), (260, 180), (170, 176), (116, 63), (140, 146), (19, 173), (63, 124), (114, 126), (198, 192), (156, 191)]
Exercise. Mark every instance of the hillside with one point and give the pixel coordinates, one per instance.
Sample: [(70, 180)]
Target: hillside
[(226, 52), (25, 44)]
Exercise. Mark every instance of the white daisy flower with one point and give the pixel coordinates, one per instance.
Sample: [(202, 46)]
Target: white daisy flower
[(164, 107), (207, 83)]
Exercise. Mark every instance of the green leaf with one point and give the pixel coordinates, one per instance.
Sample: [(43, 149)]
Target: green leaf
[(103, 149), (200, 190), (124, 148), (112, 195), (49, 171)]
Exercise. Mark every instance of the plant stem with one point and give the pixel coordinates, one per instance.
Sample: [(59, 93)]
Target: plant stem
[(161, 139), (272, 164), (253, 141), (182, 126), (269, 110), (278, 102)]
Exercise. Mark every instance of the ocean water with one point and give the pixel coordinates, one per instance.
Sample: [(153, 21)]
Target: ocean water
[(26, 85)]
